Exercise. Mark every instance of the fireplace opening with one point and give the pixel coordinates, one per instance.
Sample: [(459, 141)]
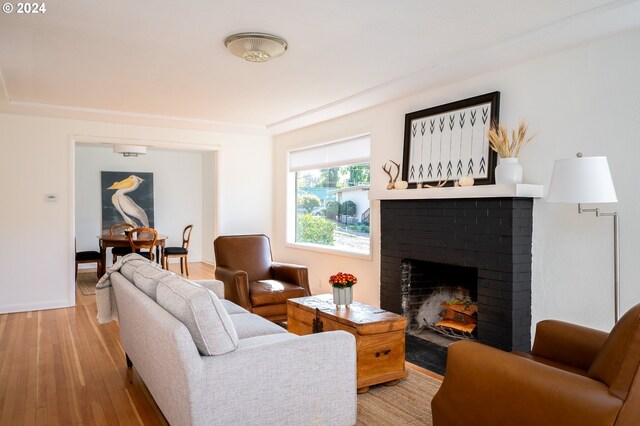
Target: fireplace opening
[(439, 301)]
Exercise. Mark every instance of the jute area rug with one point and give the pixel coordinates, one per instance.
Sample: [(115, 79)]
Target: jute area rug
[(407, 403), (86, 282)]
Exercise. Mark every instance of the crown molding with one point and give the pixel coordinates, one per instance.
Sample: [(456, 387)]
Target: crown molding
[(123, 117)]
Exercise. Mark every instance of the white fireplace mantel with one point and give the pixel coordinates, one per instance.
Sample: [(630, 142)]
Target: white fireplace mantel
[(478, 191)]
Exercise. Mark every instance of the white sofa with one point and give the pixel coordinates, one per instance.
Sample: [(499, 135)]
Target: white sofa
[(261, 374)]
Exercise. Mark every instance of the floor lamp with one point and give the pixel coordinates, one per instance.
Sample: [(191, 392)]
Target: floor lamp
[(588, 180)]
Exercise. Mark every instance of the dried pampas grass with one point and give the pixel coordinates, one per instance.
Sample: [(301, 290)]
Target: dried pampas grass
[(500, 143)]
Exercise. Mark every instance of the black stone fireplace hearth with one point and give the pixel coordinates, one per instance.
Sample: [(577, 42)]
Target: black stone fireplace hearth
[(492, 235)]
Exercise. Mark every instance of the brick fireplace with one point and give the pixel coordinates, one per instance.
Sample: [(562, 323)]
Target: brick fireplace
[(491, 236)]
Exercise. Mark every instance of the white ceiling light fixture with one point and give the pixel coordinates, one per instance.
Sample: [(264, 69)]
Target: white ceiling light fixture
[(256, 47), (129, 150)]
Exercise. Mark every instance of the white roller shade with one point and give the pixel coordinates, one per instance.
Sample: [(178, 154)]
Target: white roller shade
[(350, 151)]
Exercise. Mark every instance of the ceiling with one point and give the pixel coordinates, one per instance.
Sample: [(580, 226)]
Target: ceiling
[(165, 62)]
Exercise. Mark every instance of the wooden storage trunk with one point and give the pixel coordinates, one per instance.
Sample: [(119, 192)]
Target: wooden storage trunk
[(380, 335)]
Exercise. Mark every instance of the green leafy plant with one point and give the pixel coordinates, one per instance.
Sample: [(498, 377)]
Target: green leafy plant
[(332, 210), (313, 229), (308, 202), (348, 208)]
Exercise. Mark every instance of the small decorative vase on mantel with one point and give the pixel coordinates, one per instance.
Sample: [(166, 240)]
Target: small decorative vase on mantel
[(508, 171), (342, 284)]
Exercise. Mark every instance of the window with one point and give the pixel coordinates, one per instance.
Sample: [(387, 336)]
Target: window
[(331, 196)]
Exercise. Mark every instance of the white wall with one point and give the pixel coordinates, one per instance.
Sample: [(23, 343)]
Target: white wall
[(36, 247), (178, 192), (584, 99), (209, 197)]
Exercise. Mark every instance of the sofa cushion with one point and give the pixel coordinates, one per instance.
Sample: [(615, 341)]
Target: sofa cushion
[(251, 325), (127, 270), (232, 308), (215, 286), (271, 292), (267, 339), (201, 312), (146, 278)]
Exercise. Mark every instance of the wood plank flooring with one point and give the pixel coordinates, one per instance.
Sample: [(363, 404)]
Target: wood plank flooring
[(60, 367)]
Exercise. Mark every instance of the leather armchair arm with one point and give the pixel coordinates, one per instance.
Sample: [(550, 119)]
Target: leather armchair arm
[(236, 286), (294, 274), (569, 344), (486, 386)]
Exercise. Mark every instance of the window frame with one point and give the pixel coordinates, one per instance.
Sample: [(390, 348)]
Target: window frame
[(291, 207)]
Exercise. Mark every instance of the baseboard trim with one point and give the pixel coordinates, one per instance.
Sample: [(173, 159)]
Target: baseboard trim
[(86, 266), (41, 306)]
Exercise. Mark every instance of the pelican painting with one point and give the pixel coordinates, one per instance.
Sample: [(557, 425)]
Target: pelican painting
[(128, 199)]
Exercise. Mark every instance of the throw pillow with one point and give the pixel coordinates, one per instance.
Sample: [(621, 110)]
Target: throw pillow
[(201, 312), (146, 278)]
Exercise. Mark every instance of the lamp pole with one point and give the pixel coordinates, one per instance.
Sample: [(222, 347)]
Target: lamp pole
[(616, 255)]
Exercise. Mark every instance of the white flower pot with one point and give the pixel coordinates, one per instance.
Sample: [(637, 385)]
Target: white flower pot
[(508, 171), (343, 296)]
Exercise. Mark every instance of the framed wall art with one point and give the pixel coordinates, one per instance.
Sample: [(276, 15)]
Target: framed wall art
[(127, 197), (449, 141)]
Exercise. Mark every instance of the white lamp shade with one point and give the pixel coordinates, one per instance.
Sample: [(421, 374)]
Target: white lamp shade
[(582, 180)]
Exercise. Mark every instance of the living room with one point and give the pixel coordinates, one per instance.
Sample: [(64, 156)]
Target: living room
[(573, 80)]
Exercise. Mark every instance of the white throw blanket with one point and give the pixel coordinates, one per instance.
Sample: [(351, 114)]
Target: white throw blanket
[(105, 299)]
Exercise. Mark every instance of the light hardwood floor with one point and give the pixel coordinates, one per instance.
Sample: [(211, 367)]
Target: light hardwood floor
[(60, 367)]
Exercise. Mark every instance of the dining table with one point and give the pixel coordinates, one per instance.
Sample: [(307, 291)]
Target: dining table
[(107, 240)]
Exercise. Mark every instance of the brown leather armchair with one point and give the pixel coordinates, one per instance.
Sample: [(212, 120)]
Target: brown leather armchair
[(253, 280), (573, 376)]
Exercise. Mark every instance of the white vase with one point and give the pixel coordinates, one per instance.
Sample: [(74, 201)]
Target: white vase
[(508, 171), (343, 296)]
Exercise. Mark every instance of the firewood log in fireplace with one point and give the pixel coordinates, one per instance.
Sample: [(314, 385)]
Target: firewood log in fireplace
[(461, 318)]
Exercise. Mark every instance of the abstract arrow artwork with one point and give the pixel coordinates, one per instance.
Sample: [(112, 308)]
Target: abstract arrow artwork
[(450, 141)]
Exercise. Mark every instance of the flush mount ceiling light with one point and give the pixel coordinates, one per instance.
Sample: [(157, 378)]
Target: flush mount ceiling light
[(256, 47), (130, 150)]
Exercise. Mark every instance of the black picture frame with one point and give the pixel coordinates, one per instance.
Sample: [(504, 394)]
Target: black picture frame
[(451, 140)]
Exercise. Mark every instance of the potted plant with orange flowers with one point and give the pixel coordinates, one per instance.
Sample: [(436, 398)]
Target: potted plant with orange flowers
[(342, 291)]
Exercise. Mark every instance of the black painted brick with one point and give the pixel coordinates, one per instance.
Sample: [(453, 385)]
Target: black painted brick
[(493, 235)]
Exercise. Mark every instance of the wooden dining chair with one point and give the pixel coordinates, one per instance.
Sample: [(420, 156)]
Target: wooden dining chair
[(143, 238), (88, 256), (181, 252), (119, 229)]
